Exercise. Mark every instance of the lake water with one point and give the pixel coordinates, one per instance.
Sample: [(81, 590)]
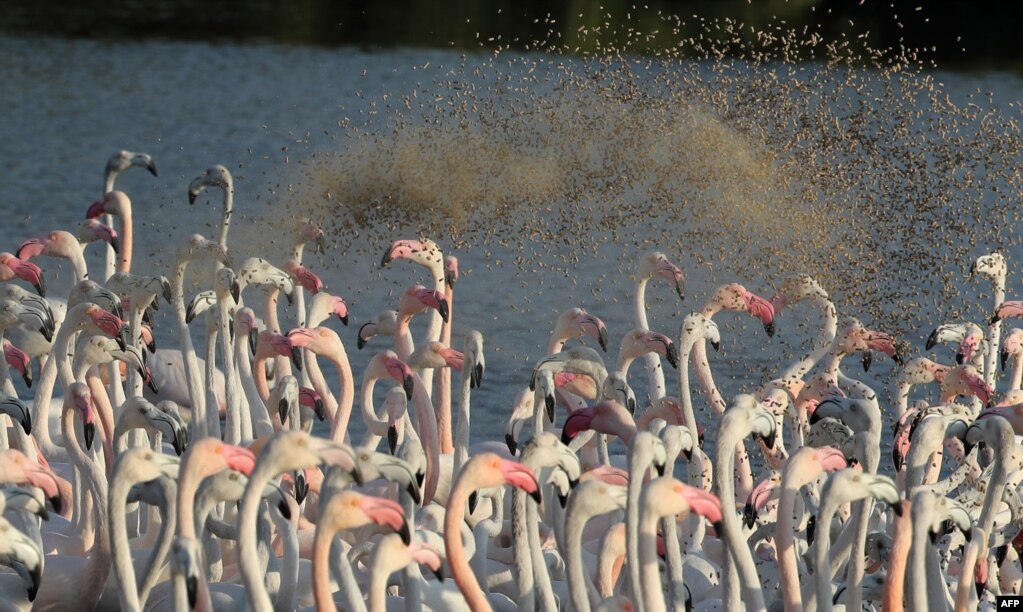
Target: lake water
[(546, 175)]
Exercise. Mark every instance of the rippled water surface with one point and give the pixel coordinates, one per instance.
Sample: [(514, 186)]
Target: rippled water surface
[(548, 176)]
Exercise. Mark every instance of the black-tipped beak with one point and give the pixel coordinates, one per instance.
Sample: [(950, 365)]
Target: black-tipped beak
[(565, 437), (46, 333), (296, 358), (179, 443), (291, 297), (344, 320), (562, 499), (473, 500), (897, 459), (749, 516), (26, 423), (959, 358), (602, 338), (867, 359), (660, 468), (716, 345), (406, 537), (151, 346), (1003, 358), (148, 377), (409, 385), (90, 434), (40, 287), (680, 290), (121, 338), (931, 340), (301, 487), (548, 404), (477, 376), (386, 259), (57, 503), (321, 414), (688, 454), (719, 527), (769, 328), (115, 244), (699, 439), (443, 309), (236, 291), (192, 195), (673, 355), (191, 582), (512, 447), (897, 508), (536, 496), (35, 577), (252, 344), (769, 439), (439, 574), (282, 410), (413, 490), (27, 377), (631, 406), (151, 166), (285, 511), (973, 269), (811, 529), (392, 438), (420, 479), (994, 319)]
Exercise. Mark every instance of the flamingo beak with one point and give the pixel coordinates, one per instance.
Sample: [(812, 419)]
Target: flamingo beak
[(236, 291), (867, 359), (409, 385), (510, 441), (476, 377), (321, 414), (548, 402), (673, 355), (90, 434), (301, 486), (296, 358), (392, 438), (282, 410)]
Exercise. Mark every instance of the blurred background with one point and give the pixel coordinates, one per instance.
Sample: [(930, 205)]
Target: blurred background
[(958, 33)]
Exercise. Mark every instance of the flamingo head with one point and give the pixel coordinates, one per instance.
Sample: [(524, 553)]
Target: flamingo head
[(423, 252), (288, 346), (310, 398), (663, 267), (419, 298), (19, 361), (399, 371), (81, 403), (108, 323), (450, 270), (305, 277), (26, 271), (339, 308), (761, 309), (214, 176), (92, 230), (383, 512)]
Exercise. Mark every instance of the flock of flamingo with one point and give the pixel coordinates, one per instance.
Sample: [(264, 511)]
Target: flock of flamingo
[(158, 479)]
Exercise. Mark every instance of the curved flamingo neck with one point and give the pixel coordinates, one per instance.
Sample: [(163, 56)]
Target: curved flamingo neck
[(457, 560), (343, 412)]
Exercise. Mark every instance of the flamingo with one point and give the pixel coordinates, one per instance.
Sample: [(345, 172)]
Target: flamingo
[(651, 266)]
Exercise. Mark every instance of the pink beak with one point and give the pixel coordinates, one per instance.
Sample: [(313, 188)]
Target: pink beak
[(386, 512), (521, 477), (239, 459), (453, 358), (761, 309)]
